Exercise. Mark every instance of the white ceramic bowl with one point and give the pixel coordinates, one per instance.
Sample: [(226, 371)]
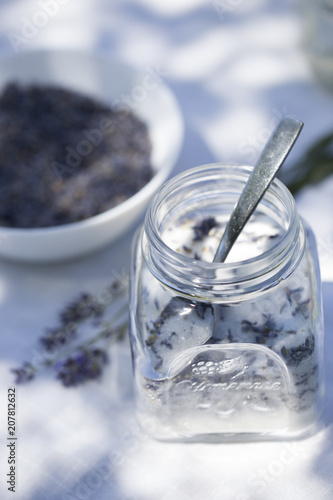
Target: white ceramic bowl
[(113, 82)]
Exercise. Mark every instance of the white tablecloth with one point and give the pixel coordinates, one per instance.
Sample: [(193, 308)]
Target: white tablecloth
[(235, 67)]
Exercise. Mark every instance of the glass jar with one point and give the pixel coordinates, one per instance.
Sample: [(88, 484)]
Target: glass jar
[(225, 351)]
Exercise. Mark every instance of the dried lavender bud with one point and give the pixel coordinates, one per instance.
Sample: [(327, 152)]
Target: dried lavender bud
[(176, 306), (202, 229), (269, 327), (24, 374), (86, 306), (58, 337), (85, 365), (295, 355), (303, 308)]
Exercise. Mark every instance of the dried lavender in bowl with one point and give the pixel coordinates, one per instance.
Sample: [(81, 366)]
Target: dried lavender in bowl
[(66, 157)]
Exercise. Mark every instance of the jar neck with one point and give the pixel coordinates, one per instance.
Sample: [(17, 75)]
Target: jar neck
[(196, 191)]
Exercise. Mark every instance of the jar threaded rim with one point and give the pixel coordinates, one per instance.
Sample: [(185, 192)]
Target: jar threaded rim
[(215, 280)]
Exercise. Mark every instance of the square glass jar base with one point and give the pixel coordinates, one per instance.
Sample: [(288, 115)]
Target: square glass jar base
[(166, 433)]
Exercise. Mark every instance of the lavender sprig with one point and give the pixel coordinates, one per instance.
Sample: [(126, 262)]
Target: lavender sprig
[(78, 363)]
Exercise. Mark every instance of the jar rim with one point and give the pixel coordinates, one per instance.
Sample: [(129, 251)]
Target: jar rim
[(200, 278)]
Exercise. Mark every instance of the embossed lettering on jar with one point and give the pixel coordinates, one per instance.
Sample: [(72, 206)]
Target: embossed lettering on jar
[(233, 350)]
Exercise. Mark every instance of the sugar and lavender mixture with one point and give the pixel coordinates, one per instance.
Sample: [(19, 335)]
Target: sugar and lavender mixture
[(66, 157), (240, 382)]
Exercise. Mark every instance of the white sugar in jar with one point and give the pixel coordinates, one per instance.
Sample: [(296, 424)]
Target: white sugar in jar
[(225, 351)]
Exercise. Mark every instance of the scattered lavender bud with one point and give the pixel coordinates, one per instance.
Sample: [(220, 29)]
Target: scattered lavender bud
[(24, 374), (85, 365), (81, 309), (58, 337)]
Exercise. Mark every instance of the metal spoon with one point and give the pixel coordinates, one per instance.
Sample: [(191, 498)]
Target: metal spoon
[(272, 157)]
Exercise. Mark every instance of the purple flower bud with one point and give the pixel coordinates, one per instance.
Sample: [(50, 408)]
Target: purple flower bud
[(86, 365)]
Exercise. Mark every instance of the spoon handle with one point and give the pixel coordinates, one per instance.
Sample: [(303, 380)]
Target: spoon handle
[(268, 164)]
